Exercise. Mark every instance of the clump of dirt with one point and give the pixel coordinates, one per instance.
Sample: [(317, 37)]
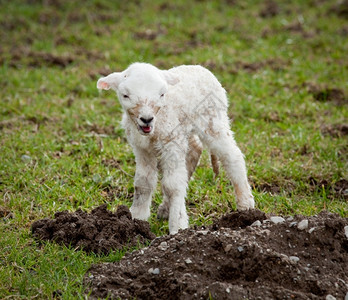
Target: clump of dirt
[(99, 231), (335, 130), (336, 190), (38, 59), (341, 9), (326, 94), (150, 34), (274, 64), (297, 257), (270, 9), (239, 219)]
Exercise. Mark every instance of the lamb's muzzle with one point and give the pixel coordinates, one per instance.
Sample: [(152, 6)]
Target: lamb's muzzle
[(168, 116)]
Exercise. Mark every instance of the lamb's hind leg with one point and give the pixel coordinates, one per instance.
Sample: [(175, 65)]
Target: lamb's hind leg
[(193, 154), (232, 159), (144, 183)]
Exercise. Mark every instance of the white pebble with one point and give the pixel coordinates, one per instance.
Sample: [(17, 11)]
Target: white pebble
[(240, 248), (346, 233), (292, 224), (294, 259), (311, 230), (256, 223), (188, 261), (203, 232), (156, 271), (303, 225), (163, 246), (277, 220), (330, 297), (228, 248)]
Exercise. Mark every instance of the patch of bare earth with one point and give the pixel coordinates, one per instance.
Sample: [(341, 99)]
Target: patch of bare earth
[(242, 256), (270, 9), (327, 94), (335, 130), (99, 231)]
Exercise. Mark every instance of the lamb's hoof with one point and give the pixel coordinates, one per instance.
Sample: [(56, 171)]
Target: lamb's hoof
[(163, 212), (246, 204), (140, 213)]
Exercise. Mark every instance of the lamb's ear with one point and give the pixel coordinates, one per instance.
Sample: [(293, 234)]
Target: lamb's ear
[(110, 82), (170, 77)]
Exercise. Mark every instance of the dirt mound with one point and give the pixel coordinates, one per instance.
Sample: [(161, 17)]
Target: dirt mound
[(100, 231), (293, 258), (239, 219)]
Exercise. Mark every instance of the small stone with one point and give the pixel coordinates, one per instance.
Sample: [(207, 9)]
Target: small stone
[(240, 248), (228, 290), (346, 233), (289, 219), (294, 259), (302, 225), (277, 220), (163, 246), (330, 297), (188, 261), (25, 158), (203, 232), (292, 224), (153, 271), (311, 230), (228, 248), (256, 223), (156, 271)]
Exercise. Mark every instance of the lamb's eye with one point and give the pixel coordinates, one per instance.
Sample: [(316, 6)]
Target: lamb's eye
[(162, 95), (125, 96)]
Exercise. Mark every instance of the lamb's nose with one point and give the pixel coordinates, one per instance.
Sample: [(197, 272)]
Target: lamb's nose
[(146, 121)]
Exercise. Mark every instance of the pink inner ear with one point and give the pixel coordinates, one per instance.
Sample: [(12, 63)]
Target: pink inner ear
[(103, 85)]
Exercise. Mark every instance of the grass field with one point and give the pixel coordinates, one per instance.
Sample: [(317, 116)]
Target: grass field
[(284, 65)]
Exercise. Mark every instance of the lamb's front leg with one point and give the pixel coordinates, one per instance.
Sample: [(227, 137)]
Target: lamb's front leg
[(174, 185), (144, 183)]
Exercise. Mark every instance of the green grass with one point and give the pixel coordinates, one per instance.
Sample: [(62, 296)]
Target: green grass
[(58, 132)]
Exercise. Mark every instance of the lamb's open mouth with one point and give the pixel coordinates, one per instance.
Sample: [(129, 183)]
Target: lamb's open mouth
[(145, 129)]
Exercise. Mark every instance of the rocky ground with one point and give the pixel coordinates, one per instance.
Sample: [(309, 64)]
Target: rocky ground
[(243, 255)]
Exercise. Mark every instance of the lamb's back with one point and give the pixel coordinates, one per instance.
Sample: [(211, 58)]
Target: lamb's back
[(196, 83)]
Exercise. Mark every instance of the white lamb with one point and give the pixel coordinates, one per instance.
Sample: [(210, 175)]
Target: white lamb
[(168, 115)]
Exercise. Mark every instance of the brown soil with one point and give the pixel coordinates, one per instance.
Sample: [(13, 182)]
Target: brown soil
[(270, 9), (341, 9), (100, 231), (326, 94), (335, 130), (39, 59), (233, 260)]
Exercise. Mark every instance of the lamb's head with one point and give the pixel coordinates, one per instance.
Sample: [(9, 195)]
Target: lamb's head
[(141, 90)]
